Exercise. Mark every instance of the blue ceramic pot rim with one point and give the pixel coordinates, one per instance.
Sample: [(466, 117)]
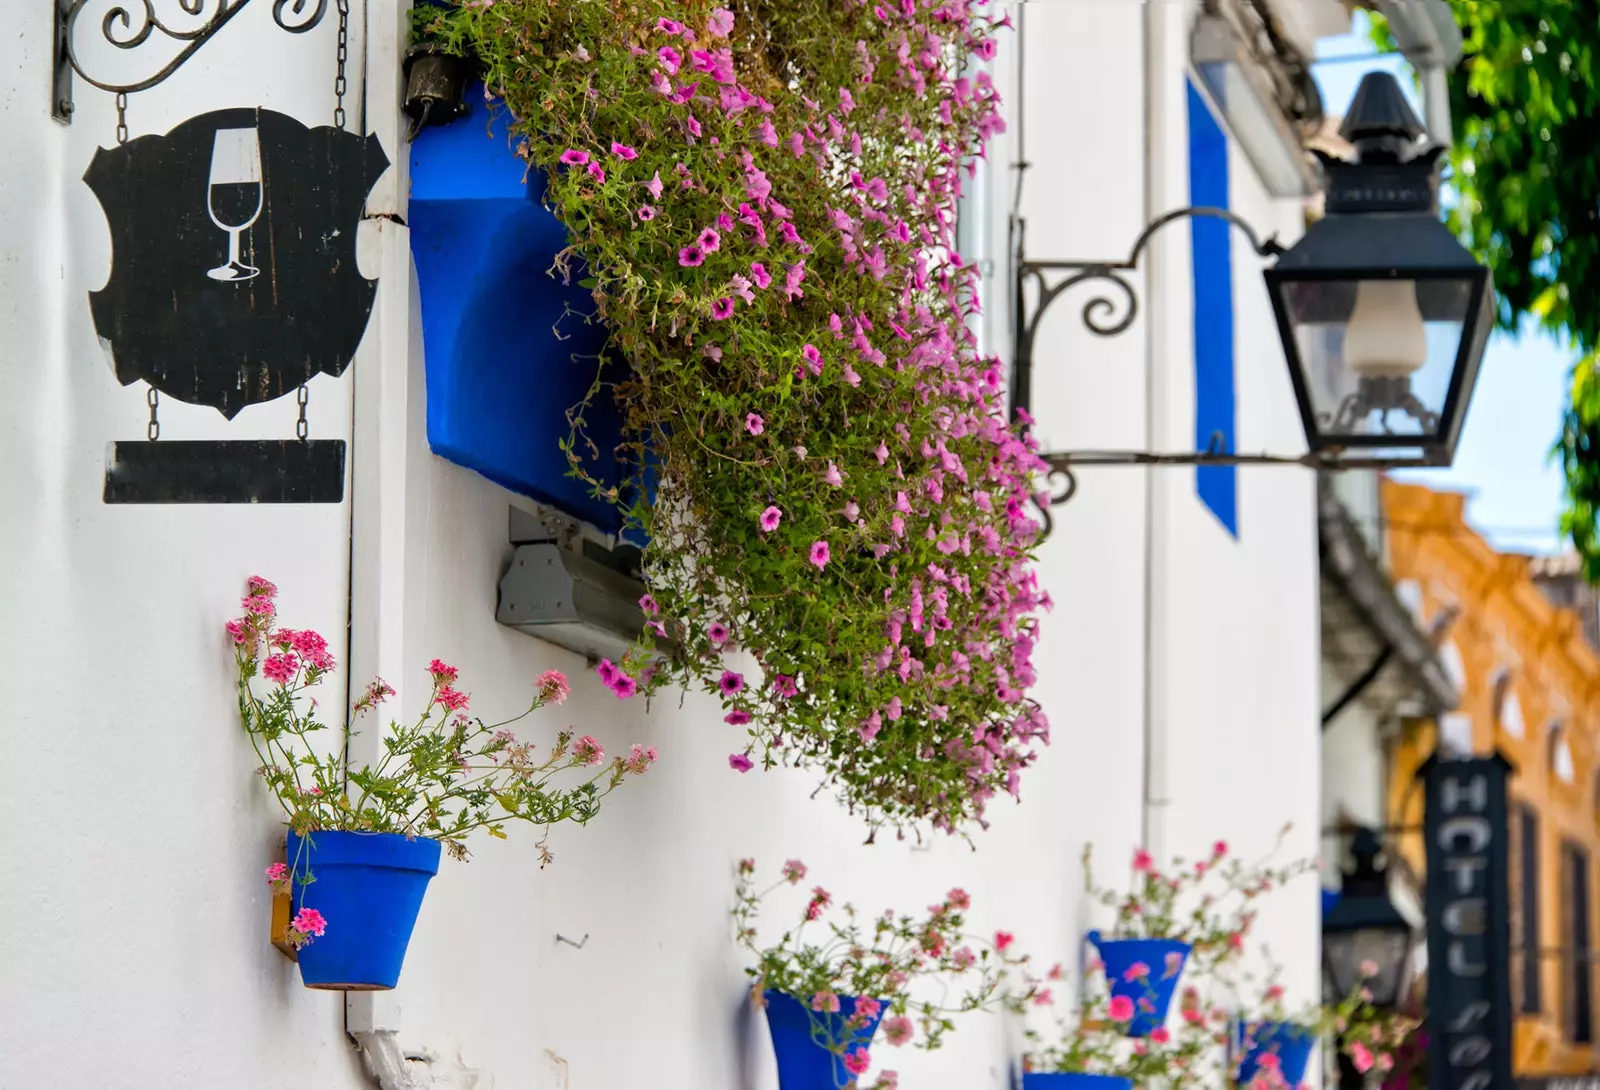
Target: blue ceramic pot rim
[(338, 847)]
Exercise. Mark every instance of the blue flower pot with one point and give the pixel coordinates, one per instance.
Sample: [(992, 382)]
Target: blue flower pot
[(1152, 994), (804, 1062), (369, 887), (1059, 1080), (1290, 1041)]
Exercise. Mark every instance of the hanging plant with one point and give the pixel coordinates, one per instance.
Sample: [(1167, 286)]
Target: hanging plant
[(762, 199), (834, 979)]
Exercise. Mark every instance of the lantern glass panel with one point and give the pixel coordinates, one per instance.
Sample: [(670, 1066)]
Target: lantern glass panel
[(1377, 355), (1385, 947)]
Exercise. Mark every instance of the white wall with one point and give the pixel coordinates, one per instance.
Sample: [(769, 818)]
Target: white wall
[(134, 912)]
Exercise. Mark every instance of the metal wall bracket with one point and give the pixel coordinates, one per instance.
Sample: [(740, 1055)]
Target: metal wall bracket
[(136, 26)]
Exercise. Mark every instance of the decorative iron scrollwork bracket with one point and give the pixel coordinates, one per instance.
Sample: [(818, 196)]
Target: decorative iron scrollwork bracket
[(1106, 316), (145, 27)]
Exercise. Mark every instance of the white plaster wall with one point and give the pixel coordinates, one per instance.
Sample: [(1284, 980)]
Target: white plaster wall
[(134, 916)]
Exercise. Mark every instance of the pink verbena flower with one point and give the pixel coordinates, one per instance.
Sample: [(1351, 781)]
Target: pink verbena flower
[(452, 699), (897, 1030), (442, 672), (278, 872), (825, 1001), (794, 871), (587, 751), (1120, 1009), (309, 922), (280, 668)]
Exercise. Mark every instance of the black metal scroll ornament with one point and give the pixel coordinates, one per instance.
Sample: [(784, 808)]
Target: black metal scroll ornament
[(136, 25), (233, 282)]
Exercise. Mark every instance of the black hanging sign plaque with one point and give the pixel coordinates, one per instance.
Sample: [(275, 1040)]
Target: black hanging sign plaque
[(233, 282), (1469, 924)]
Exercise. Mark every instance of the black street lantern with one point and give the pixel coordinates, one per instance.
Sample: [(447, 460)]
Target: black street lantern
[(1364, 931), (1384, 316)]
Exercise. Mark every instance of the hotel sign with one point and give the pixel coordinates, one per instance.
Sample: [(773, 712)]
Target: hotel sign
[(1469, 924)]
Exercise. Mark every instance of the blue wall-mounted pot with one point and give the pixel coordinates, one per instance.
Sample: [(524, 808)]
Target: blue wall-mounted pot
[(1059, 1080), (1291, 1042), (1152, 994), (803, 1063), (369, 888)]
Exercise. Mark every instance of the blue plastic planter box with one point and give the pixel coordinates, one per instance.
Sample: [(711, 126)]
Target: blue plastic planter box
[(509, 348)]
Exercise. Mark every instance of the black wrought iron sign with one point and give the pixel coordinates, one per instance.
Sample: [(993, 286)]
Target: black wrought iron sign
[(1469, 924), (152, 40)]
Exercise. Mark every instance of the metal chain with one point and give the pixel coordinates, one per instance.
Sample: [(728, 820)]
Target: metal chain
[(301, 428), (122, 117), (152, 430), (339, 84)]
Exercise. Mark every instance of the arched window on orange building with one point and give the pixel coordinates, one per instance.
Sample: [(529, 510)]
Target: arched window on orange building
[(1560, 753), (1507, 708)]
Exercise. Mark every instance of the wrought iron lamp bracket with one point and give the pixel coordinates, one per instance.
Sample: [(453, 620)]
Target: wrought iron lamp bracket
[(184, 25), (1104, 316)]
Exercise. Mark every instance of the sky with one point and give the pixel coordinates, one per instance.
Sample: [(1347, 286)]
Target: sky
[(1503, 461)]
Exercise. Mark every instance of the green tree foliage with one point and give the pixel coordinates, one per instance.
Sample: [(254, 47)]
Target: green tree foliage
[(1526, 157)]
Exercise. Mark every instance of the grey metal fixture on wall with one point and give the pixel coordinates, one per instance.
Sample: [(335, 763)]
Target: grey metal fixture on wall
[(567, 588), (1383, 315)]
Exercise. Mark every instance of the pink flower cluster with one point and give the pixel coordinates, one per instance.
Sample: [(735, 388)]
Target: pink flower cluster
[(819, 286)]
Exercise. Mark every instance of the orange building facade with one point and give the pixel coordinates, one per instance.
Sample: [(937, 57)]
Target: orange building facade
[(1530, 687)]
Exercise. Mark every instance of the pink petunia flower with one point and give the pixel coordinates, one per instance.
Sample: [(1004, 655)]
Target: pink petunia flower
[(654, 186), (572, 157), (754, 424), (820, 554), (784, 686), (759, 273), (709, 241), (739, 762), (597, 172), (670, 59), (720, 25), (691, 256), (722, 309), (719, 633), (770, 519), (623, 151), (738, 717), (833, 476), (730, 683), (646, 213)]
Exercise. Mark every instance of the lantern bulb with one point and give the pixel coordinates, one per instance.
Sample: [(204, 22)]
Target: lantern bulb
[(1385, 337)]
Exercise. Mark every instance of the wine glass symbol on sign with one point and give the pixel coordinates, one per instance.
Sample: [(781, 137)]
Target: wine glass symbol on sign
[(234, 197)]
